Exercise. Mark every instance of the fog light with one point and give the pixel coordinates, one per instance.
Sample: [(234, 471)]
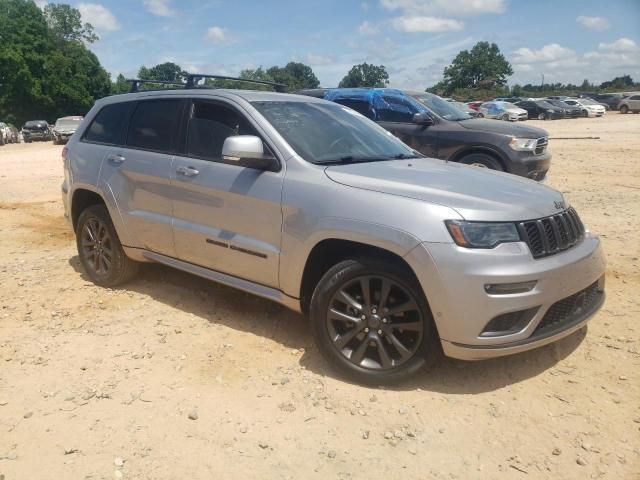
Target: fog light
[(509, 323), (509, 288)]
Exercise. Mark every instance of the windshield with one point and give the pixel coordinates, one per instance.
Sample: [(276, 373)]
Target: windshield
[(544, 104), (68, 123), (328, 132), (507, 105), (444, 109)]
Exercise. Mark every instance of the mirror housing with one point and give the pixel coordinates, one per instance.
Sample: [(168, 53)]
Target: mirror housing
[(422, 119), (247, 151)]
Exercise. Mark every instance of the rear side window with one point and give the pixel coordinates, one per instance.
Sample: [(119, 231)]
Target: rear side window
[(107, 126), (635, 97), (210, 125), (154, 125)]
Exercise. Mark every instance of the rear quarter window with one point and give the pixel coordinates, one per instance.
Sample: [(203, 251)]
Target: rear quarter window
[(108, 125)]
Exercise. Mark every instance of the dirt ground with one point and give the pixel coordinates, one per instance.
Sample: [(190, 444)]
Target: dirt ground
[(101, 384)]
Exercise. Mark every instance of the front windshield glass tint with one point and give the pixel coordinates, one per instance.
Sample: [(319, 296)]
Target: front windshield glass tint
[(508, 105), (68, 123), (444, 109), (545, 104), (328, 132)]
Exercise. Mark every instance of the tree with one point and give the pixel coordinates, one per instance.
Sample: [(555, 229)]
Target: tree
[(42, 75), (365, 75), (65, 23), (482, 67), (120, 85), (295, 75), (618, 82), (167, 72)]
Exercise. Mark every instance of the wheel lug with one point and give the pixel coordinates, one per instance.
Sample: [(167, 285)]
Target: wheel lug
[(366, 330), (384, 320), (379, 332), (374, 310), (363, 317)]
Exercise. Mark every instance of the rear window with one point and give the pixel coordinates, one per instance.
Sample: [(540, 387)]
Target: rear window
[(153, 125), (107, 127)]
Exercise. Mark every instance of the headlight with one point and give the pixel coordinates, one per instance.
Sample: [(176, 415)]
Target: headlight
[(523, 144), (482, 234), (549, 111)]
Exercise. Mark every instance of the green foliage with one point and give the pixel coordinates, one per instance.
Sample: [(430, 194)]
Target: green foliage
[(65, 23), (295, 75), (365, 75), (483, 67), (42, 74), (120, 85), (167, 72)]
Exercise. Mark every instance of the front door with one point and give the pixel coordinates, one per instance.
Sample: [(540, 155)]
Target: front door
[(225, 217), (395, 114)]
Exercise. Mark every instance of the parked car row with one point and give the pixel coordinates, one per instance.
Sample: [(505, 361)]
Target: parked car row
[(550, 108), (40, 131)]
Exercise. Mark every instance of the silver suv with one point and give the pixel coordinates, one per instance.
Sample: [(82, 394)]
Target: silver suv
[(393, 256)]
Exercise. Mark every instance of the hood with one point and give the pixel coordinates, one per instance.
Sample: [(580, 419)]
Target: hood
[(515, 110), (514, 129), (475, 193), (65, 129)]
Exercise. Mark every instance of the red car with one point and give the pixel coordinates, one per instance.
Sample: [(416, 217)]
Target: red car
[(474, 105)]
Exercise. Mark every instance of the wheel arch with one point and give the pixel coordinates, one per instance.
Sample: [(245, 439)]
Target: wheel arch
[(330, 251), (471, 149)]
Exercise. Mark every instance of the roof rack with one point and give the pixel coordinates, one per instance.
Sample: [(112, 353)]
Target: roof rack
[(192, 79)]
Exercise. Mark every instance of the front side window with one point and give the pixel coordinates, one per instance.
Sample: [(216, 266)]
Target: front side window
[(107, 126), (210, 124), (328, 132), (395, 109), (359, 105), (442, 108), (154, 124)]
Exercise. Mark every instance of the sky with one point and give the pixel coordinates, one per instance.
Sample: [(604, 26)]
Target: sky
[(564, 40)]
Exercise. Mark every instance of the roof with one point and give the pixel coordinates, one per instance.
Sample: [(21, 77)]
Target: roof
[(248, 95)]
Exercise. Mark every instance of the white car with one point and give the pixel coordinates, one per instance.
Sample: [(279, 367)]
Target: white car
[(502, 111), (589, 107), (6, 135)]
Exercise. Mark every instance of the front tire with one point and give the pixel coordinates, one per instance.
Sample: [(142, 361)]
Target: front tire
[(624, 109), (505, 117), (480, 115), (482, 160), (100, 250), (542, 116), (372, 322)]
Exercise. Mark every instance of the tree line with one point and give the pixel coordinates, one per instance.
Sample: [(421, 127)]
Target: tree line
[(47, 71)]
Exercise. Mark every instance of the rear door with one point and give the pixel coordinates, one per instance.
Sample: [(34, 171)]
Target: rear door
[(137, 172), (634, 102), (225, 217), (395, 114)]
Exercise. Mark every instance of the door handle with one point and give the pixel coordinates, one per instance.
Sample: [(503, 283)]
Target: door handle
[(116, 158), (187, 171)]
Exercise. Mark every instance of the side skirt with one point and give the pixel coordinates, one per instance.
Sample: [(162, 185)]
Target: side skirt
[(229, 280)]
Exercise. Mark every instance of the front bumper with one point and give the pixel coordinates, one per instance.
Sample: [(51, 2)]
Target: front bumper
[(454, 280), (529, 165)]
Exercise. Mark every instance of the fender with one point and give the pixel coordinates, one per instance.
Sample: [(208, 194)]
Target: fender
[(295, 252)]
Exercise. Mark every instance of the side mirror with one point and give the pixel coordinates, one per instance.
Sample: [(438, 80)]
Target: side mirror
[(422, 119), (247, 151)]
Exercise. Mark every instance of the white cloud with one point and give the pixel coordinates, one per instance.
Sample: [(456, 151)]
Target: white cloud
[(315, 59), (426, 24), (368, 28), (41, 4), (162, 8), (620, 45), (98, 16), (597, 24), (217, 35), (455, 7), (549, 53)]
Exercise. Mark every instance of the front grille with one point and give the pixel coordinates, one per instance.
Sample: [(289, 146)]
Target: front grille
[(550, 235), (541, 145), (566, 310)]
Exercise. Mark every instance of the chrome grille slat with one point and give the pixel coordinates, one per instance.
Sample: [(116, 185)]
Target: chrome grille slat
[(550, 235)]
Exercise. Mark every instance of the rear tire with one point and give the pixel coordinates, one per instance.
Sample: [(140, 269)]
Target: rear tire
[(542, 116), (100, 250), (624, 109), (505, 117), (373, 350), (480, 115), (482, 160)]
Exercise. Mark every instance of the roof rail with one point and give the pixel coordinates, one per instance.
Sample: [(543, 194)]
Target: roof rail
[(136, 82), (192, 79)]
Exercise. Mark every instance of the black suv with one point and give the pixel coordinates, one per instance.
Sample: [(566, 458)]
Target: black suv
[(541, 109), (436, 128), (36, 130), (570, 111)]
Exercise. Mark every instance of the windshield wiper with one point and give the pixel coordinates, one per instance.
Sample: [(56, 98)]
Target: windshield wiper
[(354, 159)]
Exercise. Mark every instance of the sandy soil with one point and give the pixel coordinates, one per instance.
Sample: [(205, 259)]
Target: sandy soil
[(100, 384)]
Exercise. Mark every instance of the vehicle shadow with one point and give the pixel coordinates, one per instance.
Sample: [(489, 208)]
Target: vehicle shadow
[(241, 311)]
